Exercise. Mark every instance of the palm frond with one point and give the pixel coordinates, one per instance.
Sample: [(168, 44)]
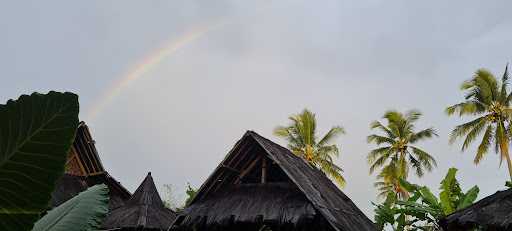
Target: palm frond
[(487, 85), (281, 131), (377, 139), (308, 127), (427, 161), (416, 164), (333, 171), (378, 162), (377, 124), (501, 137), (462, 129), (331, 135), (484, 145), (469, 107), (473, 134), (412, 116), (423, 134), (378, 152), (504, 85), (328, 151)]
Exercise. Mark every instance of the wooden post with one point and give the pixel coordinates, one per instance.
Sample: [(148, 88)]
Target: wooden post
[(264, 170)]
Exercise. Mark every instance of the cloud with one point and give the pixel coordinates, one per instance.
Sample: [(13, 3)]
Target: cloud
[(346, 61)]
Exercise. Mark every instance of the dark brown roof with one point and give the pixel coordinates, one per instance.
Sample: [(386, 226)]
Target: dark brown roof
[(493, 212), (69, 186), (326, 199), (144, 210), (84, 145), (280, 202)]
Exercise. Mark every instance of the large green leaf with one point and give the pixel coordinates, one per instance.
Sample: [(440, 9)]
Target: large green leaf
[(428, 197), (448, 180), (468, 198), (85, 211), (36, 133), (450, 191), (408, 186)]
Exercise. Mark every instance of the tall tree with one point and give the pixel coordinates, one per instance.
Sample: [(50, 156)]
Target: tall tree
[(488, 100), (303, 142), (397, 152)]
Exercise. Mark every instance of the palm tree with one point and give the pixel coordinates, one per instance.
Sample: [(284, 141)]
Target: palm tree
[(396, 152), (389, 182), (489, 100), (302, 141)]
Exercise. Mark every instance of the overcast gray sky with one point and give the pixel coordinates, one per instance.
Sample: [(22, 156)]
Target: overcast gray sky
[(348, 61)]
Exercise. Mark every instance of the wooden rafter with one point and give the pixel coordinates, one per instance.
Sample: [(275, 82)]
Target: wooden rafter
[(247, 169), (213, 179), (264, 171)]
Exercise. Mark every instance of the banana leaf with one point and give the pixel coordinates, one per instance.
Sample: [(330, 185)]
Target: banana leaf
[(85, 211), (469, 198)]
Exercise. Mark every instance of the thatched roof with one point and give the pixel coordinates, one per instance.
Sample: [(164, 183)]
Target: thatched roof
[(69, 186), (493, 212), (280, 202), (143, 211), (292, 194), (84, 169), (83, 158)]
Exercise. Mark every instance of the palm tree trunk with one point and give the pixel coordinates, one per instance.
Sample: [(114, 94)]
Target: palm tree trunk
[(504, 152)]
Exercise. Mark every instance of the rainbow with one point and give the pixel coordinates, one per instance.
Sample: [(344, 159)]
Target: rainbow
[(149, 62)]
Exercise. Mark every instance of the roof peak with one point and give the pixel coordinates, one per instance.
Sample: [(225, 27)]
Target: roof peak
[(146, 193), (144, 209)]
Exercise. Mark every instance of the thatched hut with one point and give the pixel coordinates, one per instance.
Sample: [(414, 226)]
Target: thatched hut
[(83, 170), (493, 213), (261, 184), (143, 211)]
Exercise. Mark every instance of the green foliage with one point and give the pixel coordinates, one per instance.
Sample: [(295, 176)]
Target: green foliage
[(175, 204), (508, 184), (36, 133), (170, 199), (302, 141), (488, 100), (85, 211), (396, 153), (422, 210), (191, 193)]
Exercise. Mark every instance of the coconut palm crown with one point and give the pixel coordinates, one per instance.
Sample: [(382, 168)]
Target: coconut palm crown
[(488, 100), (397, 151), (303, 142)]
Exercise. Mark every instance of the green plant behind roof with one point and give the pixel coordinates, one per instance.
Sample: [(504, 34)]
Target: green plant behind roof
[(302, 141)]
